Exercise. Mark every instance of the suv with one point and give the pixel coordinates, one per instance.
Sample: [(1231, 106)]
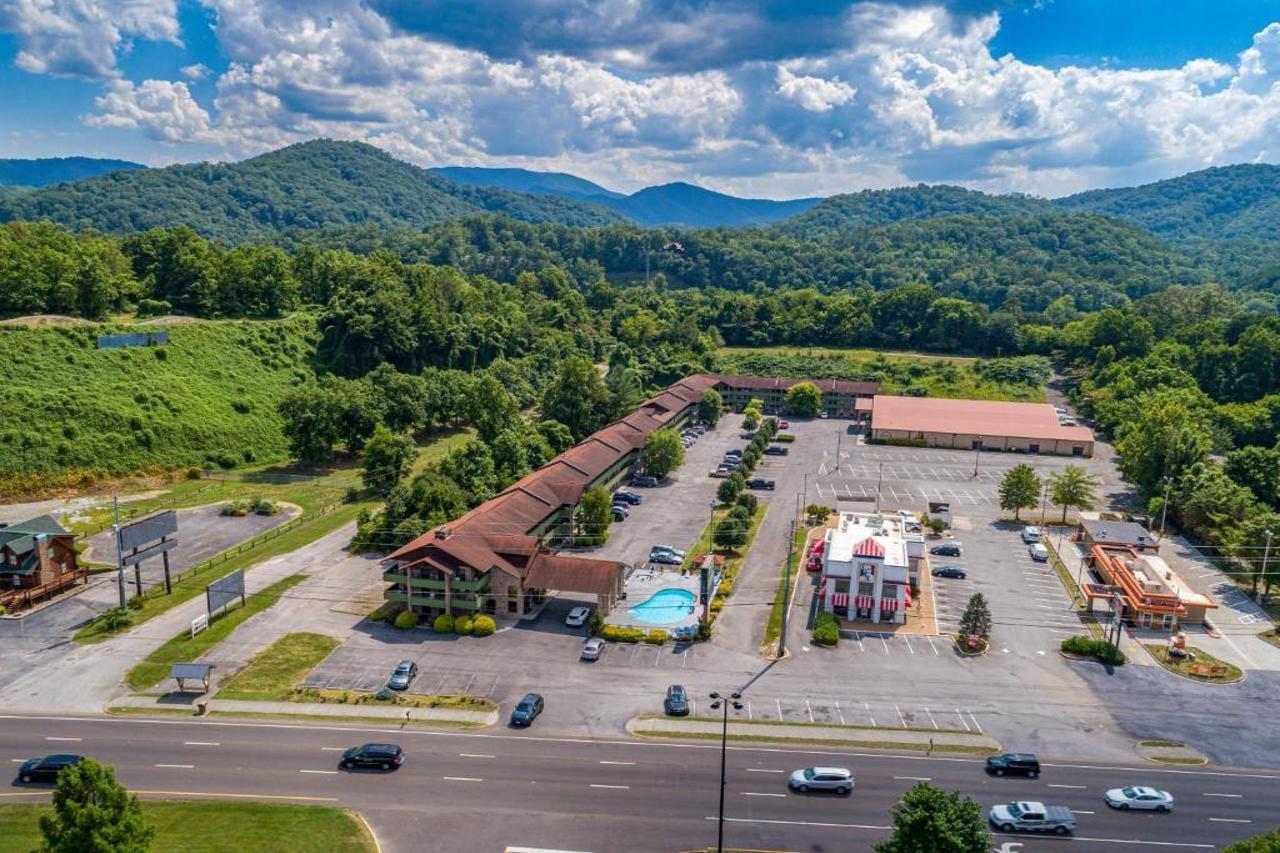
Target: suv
[(760, 483), (383, 756), (645, 481), (1039, 553), (627, 498), (1031, 534), (405, 672), (527, 710), (946, 549), (838, 779), (776, 450), (677, 702), (1014, 764), (46, 769), (733, 454)]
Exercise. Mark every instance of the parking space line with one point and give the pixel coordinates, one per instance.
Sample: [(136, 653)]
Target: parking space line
[(930, 639), (931, 719), (470, 681), (901, 718), (975, 722), (886, 644), (809, 708), (492, 687), (779, 701), (962, 720), (869, 714), (907, 640), (840, 714), (749, 716)]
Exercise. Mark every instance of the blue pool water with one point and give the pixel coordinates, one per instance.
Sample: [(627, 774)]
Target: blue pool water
[(664, 607)]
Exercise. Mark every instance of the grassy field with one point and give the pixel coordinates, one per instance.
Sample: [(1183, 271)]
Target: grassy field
[(897, 373), (185, 648), (212, 826), (274, 672), (207, 398)]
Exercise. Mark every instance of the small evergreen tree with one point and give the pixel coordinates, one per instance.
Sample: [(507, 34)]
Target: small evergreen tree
[(976, 620)]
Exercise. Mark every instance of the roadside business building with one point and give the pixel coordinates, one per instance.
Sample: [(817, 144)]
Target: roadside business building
[(840, 397), (976, 425), (1149, 592), (868, 567)]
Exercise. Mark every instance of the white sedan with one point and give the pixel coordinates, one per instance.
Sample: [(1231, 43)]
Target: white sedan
[(577, 617), (1140, 798)]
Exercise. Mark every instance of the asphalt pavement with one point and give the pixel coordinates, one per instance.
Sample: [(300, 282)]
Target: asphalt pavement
[(499, 791)]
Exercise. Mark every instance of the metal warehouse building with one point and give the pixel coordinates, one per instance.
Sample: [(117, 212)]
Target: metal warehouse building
[(974, 424)]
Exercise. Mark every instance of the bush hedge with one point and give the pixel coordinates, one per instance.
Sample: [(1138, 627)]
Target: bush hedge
[(826, 630), (406, 619), (617, 634), (1099, 650), (463, 625), (483, 626), (655, 638), (786, 437), (443, 624)]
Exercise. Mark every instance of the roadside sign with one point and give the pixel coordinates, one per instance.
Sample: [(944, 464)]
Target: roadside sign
[(198, 624)]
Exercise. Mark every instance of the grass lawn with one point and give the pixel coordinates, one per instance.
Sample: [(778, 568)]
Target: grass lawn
[(851, 352), (274, 673), (213, 826), (184, 648), (1272, 637), (1204, 668), (773, 628)]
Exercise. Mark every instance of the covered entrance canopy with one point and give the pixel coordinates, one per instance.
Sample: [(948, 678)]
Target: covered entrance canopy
[(601, 578)]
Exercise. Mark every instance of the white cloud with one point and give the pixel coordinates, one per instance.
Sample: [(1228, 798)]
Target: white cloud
[(82, 38), (199, 71), (816, 94), (161, 109)]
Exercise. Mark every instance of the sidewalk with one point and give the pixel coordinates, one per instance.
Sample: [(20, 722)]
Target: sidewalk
[(449, 716), (882, 737)]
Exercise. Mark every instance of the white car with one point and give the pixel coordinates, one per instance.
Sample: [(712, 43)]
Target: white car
[(1140, 798), (1031, 534), (592, 649), (1039, 553), (578, 617)]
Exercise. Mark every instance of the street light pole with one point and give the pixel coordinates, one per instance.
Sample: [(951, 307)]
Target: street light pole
[(786, 592), (1266, 552), (879, 480), (1044, 502), (977, 457), (723, 702)]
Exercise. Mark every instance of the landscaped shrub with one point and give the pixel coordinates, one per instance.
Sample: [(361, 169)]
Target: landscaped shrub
[(266, 506), (787, 437), (618, 634), (406, 619), (235, 509), (826, 630), (655, 638), (117, 619), (1099, 650), (725, 587), (483, 626), (750, 501), (443, 624), (462, 625), (903, 442)]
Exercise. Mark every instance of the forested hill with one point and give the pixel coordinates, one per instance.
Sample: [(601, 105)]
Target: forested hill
[(55, 170), (884, 207), (1230, 201), (310, 185)]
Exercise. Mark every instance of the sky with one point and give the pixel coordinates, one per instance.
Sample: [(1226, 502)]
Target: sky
[(771, 98)]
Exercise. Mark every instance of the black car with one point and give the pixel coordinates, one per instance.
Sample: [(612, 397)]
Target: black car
[(46, 769), (759, 483), (1014, 764), (619, 512), (677, 702), (733, 454), (776, 450), (527, 710), (628, 498), (946, 549), (949, 572), (403, 676), (381, 756), (645, 481)]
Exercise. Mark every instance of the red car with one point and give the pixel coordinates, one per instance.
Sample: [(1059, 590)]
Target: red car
[(815, 564), (783, 424)]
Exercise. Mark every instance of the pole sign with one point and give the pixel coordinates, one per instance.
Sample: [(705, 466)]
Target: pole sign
[(704, 585)]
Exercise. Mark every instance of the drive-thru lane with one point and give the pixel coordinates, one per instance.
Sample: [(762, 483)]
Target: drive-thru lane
[(500, 789)]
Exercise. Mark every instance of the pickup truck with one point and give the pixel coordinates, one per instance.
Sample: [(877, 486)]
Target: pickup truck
[(1033, 817)]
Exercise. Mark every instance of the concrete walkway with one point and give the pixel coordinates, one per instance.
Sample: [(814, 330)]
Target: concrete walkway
[(870, 737), (475, 719)]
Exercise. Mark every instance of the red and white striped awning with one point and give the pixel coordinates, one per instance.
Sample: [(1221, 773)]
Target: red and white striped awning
[(840, 599), (888, 604), (864, 602)]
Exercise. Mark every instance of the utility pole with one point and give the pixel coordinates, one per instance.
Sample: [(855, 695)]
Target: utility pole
[(786, 592), (977, 457), (1266, 552), (719, 702), (1164, 507), (879, 480), (1044, 502), (115, 504)]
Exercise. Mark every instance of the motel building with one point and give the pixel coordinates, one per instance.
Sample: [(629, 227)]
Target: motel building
[(1150, 594), (869, 565)]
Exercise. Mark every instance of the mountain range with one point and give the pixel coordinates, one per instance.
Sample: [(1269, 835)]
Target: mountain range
[(329, 184)]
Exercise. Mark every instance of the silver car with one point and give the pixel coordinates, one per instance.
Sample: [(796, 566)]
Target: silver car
[(1150, 799), (838, 779), (592, 649)]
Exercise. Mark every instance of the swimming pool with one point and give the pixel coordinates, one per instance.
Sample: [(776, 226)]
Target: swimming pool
[(664, 607)]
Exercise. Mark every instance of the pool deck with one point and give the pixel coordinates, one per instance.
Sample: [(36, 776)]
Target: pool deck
[(643, 584)]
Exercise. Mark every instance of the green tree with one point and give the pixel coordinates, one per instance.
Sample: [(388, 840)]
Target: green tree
[(710, 407), (471, 467), (1020, 489), (311, 424), (1248, 543), (626, 390), (931, 820), (94, 812), (976, 619), (593, 516), (1268, 842), (578, 398), (804, 400), (491, 408), (748, 500), (730, 533), (663, 452), (751, 417), (1166, 436), (727, 492), (1258, 469), (388, 458), (558, 436), (1074, 487)]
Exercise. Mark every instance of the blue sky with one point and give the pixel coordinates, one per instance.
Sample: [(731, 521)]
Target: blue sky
[(771, 98)]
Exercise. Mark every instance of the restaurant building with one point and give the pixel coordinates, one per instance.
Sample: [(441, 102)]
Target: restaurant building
[(868, 566), (1149, 593)]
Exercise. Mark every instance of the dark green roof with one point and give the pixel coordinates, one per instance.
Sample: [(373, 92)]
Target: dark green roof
[(20, 538)]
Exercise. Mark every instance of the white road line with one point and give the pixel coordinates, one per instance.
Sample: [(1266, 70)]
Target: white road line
[(64, 738), (915, 778), (1072, 787), (200, 743), (1230, 820), (17, 760), (962, 719), (930, 639), (536, 850), (618, 762), (461, 779), (1082, 811), (901, 718), (333, 748), (178, 766), (809, 708), (762, 770), (886, 645), (815, 823), (840, 714), (477, 755), (779, 701), (757, 794), (610, 787), (931, 719), (321, 772), (1232, 796), (869, 714), (907, 640), (975, 722)]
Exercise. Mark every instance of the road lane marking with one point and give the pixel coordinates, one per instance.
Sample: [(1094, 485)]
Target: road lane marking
[(1081, 811), (1232, 796), (808, 823), (178, 766), (64, 738), (200, 743), (234, 796), (915, 778), (536, 850), (461, 779), (611, 787), (476, 755), (1230, 820), (321, 772), (610, 762), (758, 794), (1119, 841), (17, 760), (333, 748), (762, 770), (1073, 787)]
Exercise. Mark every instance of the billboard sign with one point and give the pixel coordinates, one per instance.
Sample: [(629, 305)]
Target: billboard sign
[(704, 585), (135, 534), (224, 591)]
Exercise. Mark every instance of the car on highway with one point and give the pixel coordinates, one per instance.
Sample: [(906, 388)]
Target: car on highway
[(1014, 764), (46, 769), (946, 549), (619, 512), (645, 481), (760, 483), (676, 703), (1150, 799), (949, 570), (527, 710), (1031, 533), (403, 675), (379, 756), (625, 497), (1039, 553), (1033, 817), (838, 779), (578, 617), (592, 649)]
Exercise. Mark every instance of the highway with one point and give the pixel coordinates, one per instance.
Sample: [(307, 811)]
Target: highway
[(498, 790)]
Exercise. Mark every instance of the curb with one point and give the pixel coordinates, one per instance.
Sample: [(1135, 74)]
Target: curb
[(377, 845)]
